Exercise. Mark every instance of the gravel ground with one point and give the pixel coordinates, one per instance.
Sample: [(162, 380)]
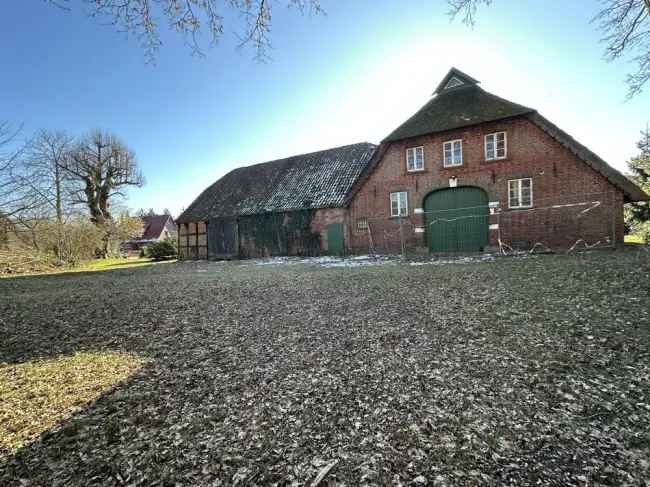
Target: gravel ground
[(512, 371)]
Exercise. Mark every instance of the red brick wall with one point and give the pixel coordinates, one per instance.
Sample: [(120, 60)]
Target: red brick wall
[(558, 176), (326, 216)]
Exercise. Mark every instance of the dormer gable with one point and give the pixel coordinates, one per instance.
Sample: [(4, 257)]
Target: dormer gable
[(455, 79)]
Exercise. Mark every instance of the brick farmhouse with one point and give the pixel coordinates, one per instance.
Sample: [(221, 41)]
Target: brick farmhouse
[(467, 172)]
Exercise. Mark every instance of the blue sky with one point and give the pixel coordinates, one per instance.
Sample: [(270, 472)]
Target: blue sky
[(348, 76)]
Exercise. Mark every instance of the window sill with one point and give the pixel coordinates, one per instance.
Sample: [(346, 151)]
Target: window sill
[(411, 171), (520, 207), (500, 159)]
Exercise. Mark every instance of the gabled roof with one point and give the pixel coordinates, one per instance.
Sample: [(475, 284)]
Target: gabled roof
[(459, 102), (455, 108), (154, 226), (317, 180)]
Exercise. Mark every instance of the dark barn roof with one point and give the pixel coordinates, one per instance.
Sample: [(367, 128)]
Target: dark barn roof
[(317, 180)]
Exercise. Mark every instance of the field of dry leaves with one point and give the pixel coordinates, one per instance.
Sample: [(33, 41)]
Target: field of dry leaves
[(516, 371)]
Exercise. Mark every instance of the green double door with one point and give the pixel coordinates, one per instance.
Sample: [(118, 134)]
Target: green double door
[(457, 219)]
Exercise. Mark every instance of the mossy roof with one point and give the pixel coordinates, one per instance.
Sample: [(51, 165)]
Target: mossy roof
[(320, 179), (456, 108)]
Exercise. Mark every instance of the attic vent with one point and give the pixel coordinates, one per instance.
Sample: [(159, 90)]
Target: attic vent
[(453, 83)]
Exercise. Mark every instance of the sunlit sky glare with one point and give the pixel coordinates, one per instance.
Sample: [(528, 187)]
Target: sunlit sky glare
[(351, 75)]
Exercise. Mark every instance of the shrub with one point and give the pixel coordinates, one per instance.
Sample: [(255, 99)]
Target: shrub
[(643, 231), (77, 241), (164, 249)]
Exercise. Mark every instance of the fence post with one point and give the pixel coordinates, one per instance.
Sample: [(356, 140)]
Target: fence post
[(401, 237), (371, 243)]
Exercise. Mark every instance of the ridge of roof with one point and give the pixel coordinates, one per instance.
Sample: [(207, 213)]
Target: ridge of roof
[(306, 154)]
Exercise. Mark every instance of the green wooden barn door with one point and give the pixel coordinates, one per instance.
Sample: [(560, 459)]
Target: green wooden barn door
[(457, 219), (335, 239)]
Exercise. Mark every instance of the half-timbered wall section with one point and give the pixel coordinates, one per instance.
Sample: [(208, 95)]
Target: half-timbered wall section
[(193, 240)]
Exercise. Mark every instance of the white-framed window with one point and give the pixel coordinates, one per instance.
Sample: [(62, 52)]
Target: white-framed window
[(399, 204), (452, 153), (520, 193), (496, 146), (362, 225), (415, 159)]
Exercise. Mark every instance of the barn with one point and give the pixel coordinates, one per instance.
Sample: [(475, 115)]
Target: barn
[(292, 206), (467, 172)]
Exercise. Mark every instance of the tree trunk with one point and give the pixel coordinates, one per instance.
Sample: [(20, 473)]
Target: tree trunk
[(91, 200), (57, 193), (105, 242), (59, 210)]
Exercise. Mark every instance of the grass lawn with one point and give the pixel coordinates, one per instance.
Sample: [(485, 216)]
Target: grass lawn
[(516, 371), (41, 268), (113, 263), (36, 395), (633, 239)]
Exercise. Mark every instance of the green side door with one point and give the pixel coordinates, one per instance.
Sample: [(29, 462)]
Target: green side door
[(335, 239), (457, 220)]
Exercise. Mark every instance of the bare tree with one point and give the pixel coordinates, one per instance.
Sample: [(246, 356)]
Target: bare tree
[(19, 205), (625, 25), (190, 18), (40, 176), (14, 196), (5, 168), (466, 9), (104, 166), (43, 171), (7, 161)]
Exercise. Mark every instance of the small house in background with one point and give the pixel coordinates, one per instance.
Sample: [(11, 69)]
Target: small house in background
[(155, 228)]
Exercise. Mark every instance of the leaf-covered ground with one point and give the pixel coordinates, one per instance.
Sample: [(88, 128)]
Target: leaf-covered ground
[(531, 371)]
